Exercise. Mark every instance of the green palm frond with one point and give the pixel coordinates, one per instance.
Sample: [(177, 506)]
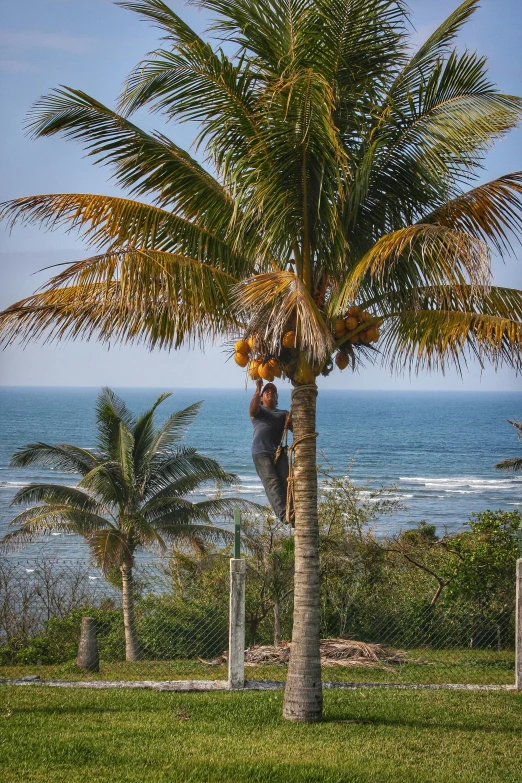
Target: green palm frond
[(111, 410), (38, 520), (174, 428), (436, 48), (144, 436), (184, 463), (268, 302), (109, 548), (489, 212), (62, 456), (163, 17), (58, 494), (514, 464), (142, 163), (188, 531)]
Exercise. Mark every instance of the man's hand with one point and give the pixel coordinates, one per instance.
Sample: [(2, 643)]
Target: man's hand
[(259, 385)]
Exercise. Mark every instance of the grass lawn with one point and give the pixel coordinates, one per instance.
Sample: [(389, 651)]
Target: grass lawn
[(457, 666), (56, 735)]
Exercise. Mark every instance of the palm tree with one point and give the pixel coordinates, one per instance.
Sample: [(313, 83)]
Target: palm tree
[(131, 493), (512, 463), (341, 166)]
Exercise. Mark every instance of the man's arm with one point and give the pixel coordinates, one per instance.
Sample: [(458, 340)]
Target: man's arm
[(255, 402)]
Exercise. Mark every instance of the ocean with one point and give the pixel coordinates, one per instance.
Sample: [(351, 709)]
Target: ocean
[(437, 449)]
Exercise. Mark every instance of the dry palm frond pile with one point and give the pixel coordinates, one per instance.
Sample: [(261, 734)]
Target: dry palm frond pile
[(334, 652)]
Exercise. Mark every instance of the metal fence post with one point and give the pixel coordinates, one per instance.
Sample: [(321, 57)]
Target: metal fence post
[(236, 622), (518, 641)]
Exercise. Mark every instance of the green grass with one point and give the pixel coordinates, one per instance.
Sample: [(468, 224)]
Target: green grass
[(439, 666), (367, 737)]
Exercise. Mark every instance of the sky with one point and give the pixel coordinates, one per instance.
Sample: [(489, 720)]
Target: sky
[(92, 46)]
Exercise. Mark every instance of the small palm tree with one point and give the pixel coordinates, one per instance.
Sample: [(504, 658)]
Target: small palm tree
[(513, 463), (131, 493)]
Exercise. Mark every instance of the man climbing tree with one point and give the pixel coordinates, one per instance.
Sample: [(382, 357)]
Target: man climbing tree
[(269, 455)]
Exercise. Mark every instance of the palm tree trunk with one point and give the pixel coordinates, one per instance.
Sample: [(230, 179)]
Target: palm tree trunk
[(303, 699), (132, 651)]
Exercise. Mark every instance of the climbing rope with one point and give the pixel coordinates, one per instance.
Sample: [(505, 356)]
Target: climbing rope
[(290, 494)]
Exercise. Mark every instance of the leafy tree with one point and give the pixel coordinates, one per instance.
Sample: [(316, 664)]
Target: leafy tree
[(131, 494), (341, 162)]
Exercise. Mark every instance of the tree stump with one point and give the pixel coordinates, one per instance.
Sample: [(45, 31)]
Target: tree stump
[(88, 658)]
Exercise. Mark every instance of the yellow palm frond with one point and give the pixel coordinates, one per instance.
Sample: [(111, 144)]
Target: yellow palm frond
[(269, 301), (162, 299), (418, 255), (434, 339), (490, 212), (112, 222)]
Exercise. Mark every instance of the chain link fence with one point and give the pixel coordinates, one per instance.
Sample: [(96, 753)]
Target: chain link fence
[(181, 622)]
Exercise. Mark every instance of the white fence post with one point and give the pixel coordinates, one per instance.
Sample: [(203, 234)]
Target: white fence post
[(236, 625), (518, 641)]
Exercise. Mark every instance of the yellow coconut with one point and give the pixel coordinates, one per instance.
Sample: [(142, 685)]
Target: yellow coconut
[(253, 370), (341, 360), (339, 328), (242, 346), (265, 372), (354, 310), (364, 337), (365, 316), (288, 340), (241, 359), (276, 367), (351, 323), (304, 374), (372, 334), (251, 342), (354, 338)]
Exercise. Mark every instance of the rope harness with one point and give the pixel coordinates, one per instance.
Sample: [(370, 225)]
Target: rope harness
[(290, 494)]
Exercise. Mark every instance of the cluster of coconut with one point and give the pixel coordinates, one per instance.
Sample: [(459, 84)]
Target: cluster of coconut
[(266, 368), (260, 366), (355, 318)]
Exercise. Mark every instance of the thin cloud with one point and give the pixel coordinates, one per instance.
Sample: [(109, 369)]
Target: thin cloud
[(58, 42), (16, 66)]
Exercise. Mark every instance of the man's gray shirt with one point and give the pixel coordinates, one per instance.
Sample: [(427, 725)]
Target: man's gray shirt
[(268, 430)]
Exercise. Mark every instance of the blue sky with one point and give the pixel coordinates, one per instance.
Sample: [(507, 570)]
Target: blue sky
[(92, 46)]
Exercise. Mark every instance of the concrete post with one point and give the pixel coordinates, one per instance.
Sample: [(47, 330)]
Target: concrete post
[(88, 658), (236, 625), (518, 640)]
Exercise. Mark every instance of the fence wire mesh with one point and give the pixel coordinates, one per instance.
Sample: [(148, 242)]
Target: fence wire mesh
[(42, 603), (381, 633)]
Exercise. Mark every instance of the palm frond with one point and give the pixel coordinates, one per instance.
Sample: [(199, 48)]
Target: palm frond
[(489, 212), (142, 163), (62, 456), (514, 464), (128, 296), (116, 223), (174, 428), (184, 463), (109, 548), (268, 302), (435, 339), (39, 520), (58, 494), (416, 256), (188, 532), (144, 436), (163, 17)]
